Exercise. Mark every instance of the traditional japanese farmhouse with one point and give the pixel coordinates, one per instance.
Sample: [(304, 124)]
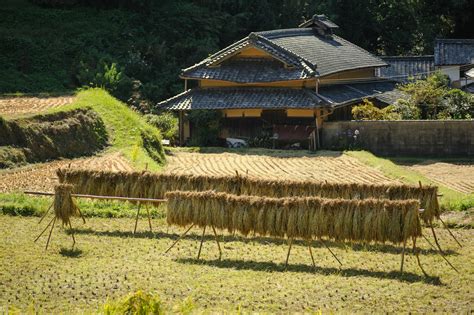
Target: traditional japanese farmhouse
[(455, 58), (285, 83)]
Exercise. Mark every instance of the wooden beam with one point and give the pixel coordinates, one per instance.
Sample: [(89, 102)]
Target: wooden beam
[(148, 200)]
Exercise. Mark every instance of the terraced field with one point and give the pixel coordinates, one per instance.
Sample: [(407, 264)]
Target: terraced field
[(325, 166), (18, 106), (42, 177), (457, 176)]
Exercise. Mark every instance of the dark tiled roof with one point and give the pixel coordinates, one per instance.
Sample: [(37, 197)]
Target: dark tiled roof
[(454, 52), (280, 98), (343, 94), (228, 98), (248, 70), (403, 68), (302, 48)]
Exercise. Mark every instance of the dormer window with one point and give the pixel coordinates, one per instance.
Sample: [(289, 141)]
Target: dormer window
[(321, 24)]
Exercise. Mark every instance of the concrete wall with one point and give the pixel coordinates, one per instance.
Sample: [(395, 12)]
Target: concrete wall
[(429, 138)]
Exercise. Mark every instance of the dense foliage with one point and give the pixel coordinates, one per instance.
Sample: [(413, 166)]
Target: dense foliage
[(206, 125), (136, 48), (166, 122), (426, 99)]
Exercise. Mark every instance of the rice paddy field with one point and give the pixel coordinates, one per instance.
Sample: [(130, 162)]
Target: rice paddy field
[(109, 261)]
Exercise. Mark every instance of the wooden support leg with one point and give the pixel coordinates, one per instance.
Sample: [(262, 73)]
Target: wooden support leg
[(50, 232), (202, 240), (334, 255), (441, 254), (311, 253), (435, 237), (182, 235), (44, 229), (403, 255), (82, 216), (44, 215), (149, 217), (72, 234), (415, 250), (136, 219), (217, 240), (450, 233), (290, 243)]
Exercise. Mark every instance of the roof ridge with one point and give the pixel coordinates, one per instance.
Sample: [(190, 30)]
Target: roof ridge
[(176, 96)]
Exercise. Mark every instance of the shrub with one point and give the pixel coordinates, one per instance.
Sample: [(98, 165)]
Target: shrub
[(459, 105), (368, 111), (406, 110), (152, 143), (166, 122), (206, 125), (138, 303)]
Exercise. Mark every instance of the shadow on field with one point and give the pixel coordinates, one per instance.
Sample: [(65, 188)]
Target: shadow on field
[(70, 252), (349, 272), (383, 248)]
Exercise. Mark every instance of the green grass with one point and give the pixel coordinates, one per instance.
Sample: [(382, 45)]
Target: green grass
[(124, 127), (109, 261), (450, 198), (18, 204)]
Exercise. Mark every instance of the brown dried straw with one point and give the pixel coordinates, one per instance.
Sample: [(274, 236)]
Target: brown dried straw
[(370, 220)]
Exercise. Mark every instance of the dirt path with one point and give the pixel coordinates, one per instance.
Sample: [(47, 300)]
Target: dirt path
[(331, 167), (42, 176), (17, 106), (457, 176)]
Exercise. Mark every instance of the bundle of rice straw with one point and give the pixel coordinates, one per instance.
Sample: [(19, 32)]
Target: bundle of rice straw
[(154, 185), (64, 206), (369, 220)]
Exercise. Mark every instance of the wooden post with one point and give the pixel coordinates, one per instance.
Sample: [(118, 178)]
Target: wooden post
[(72, 234), (202, 240), (334, 255), (415, 250), (311, 253), (136, 220), (217, 240), (149, 217), (290, 243), (181, 236), (441, 253), (44, 215), (37, 238), (450, 233), (50, 232), (403, 255)]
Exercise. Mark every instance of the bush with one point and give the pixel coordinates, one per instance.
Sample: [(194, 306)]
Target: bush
[(166, 122), (459, 105), (368, 111), (138, 303), (152, 144), (406, 110), (206, 125)]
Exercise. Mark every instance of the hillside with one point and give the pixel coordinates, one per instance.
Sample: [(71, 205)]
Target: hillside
[(135, 49), (80, 129)]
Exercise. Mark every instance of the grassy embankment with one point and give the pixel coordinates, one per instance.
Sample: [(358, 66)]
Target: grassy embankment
[(125, 129)]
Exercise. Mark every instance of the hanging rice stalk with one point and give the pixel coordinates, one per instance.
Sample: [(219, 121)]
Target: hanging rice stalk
[(155, 185), (369, 220), (64, 206)]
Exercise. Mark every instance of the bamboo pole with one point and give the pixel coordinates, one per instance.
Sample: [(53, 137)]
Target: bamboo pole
[(334, 255), (441, 254), (136, 219), (415, 250), (290, 243), (311, 253), (217, 240), (202, 240), (149, 217), (403, 255), (44, 215), (72, 234), (451, 233), (37, 238), (50, 232), (179, 238), (147, 200)]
